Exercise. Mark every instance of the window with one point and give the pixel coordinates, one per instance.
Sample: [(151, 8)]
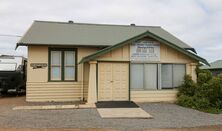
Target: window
[(150, 76), (156, 76), (62, 64), (136, 76), (172, 75), (167, 75), (179, 70), (69, 65), (56, 65), (143, 76)]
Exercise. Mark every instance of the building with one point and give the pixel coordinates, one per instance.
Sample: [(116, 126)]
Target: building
[(70, 61), (215, 67)]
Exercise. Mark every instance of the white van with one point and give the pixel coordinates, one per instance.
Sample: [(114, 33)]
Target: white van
[(12, 73)]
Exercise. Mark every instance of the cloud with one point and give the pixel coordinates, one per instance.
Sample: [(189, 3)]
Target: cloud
[(197, 22)]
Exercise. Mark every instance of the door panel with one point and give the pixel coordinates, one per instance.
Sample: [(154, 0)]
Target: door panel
[(113, 81), (120, 81), (104, 82)]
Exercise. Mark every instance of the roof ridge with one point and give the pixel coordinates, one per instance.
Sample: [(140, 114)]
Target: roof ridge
[(218, 60), (60, 22)]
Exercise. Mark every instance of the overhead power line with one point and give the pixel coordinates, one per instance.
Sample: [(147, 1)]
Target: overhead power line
[(8, 35)]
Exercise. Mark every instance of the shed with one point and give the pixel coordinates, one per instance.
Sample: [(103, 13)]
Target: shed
[(215, 67)]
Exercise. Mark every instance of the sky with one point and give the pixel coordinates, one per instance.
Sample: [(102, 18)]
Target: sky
[(196, 22)]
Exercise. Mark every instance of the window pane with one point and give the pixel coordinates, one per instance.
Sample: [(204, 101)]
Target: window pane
[(178, 74), (150, 75), (69, 73), (167, 75), (55, 57), (55, 73), (136, 76), (69, 58)]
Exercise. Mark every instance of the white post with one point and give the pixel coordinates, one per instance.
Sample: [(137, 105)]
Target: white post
[(92, 93), (193, 71)]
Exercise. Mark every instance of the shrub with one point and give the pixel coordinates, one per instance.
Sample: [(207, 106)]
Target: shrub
[(201, 102), (188, 87), (205, 95), (186, 101), (203, 90), (198, 70), (215, 91), (195, 102), (203, 77)]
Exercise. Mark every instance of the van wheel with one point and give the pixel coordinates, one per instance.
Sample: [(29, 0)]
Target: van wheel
[(17, 92)]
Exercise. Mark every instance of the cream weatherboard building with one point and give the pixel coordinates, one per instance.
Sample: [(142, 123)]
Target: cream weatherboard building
[(70, 61)]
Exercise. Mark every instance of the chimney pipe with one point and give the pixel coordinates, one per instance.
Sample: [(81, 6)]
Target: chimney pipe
[(70, 21)]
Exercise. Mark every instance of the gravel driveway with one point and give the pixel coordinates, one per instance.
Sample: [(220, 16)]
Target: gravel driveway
[(165, 116)]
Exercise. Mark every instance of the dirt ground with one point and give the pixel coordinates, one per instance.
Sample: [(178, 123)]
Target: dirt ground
[(12, 100), (204, 128), (19, 100)]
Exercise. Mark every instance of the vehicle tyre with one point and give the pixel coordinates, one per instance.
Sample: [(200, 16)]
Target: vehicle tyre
[(4, 92)]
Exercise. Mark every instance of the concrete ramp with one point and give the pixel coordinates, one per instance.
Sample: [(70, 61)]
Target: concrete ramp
[(127, 113)]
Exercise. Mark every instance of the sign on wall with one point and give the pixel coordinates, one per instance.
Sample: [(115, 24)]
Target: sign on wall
[(145, 51), (38, 65)]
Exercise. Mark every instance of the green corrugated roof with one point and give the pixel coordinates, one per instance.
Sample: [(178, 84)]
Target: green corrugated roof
[(137, 37), (214, 65), (64, 33)]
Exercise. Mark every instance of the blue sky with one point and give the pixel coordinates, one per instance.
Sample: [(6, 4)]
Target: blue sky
[(196, 22)]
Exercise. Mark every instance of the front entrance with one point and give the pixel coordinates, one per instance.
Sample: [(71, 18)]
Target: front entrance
[(113, 81)]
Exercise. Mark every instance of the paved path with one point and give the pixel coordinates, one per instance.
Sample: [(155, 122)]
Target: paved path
[(164, 116)]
